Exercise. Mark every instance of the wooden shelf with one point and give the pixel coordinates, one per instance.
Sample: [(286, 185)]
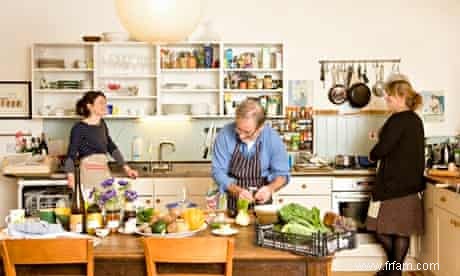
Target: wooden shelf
[(215, 90), (62, 91), (253, 70), (63, 70), (110, 97), (253, 90), (186, 70), (77, 117), (127, 76)]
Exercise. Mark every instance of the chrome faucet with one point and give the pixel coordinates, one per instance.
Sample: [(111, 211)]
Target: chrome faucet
[(168, 165)]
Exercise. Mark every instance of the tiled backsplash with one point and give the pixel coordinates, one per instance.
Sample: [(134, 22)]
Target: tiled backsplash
[(333, 135)]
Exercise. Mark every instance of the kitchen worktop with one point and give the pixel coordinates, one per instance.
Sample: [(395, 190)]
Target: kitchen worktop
[(124, 255)]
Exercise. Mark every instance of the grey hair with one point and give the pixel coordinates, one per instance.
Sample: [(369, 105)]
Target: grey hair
[(251, 109)]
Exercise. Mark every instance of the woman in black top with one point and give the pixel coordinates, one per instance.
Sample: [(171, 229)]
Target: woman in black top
[(90, 142), (396, 210)]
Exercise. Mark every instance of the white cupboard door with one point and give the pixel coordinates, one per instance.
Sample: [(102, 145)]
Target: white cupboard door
[(448, 242), (427, 253), (321, 202)]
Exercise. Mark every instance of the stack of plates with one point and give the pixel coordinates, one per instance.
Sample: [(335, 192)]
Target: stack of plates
[(68, 84)]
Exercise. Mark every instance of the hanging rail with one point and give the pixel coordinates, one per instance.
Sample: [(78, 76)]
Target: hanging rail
[(394, 60)]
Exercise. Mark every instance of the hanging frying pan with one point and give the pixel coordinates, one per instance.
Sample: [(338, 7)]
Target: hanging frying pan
[(338, 92), (359, 95)]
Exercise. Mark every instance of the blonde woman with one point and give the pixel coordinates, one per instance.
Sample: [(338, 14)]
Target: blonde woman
[(396, 211)]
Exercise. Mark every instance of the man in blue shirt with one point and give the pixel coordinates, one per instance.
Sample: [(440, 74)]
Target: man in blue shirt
[(249, 159)]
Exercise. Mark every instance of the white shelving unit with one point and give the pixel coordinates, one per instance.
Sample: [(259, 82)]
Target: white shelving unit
[(108, 65)]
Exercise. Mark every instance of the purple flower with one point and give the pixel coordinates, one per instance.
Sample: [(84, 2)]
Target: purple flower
[(107, 183), (130, 195), (108, 195), (123, 182)]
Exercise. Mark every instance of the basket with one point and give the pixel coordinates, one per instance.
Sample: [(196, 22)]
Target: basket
[(317, 244)]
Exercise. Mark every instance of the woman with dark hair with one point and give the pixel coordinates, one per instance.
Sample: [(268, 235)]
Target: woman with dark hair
[(90, 143), (396, 209)]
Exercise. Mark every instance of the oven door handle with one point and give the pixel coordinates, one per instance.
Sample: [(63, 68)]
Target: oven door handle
[(353, 197)]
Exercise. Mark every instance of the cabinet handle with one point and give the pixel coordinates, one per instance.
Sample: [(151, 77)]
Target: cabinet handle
[(443, 199), (304, 186), (148, 201), (158, 201), (280, 200)]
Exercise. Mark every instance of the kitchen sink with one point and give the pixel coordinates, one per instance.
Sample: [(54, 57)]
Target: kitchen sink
[(162, 170)]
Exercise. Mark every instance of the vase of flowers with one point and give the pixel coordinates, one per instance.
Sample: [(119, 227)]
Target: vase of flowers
[(111, 196)]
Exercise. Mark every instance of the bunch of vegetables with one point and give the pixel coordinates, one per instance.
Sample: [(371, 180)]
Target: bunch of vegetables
[(300, 220), (242, 218), (172, 222)]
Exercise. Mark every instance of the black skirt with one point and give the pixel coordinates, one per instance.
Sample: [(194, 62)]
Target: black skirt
[(399, 216)]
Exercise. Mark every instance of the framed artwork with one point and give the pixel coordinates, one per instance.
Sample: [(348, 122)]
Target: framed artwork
[(15, 100), (300, 93), (433, 106)]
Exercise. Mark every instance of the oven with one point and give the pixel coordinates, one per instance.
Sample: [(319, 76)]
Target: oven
[(350, 198)]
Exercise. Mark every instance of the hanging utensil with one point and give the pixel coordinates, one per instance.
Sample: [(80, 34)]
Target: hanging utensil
[(337, 93), (360, 72), (358, 94), (349, 75), (365, 78), (322, 76), (379, 87)]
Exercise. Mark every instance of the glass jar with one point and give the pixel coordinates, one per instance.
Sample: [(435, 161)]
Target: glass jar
[(243, 84), (260, 83), (252, 83), (94, 219), (268, 82), (112, 220)]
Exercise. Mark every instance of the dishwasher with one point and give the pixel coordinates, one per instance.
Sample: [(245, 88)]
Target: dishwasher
[(34, 194)]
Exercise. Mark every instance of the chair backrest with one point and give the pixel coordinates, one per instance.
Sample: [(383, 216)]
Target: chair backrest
[(47, 251), (199, 250)]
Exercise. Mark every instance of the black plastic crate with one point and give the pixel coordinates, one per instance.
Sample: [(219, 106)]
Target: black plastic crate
[(317, 244)]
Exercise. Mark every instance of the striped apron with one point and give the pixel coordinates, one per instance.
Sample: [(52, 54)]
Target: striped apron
[(247, 172)]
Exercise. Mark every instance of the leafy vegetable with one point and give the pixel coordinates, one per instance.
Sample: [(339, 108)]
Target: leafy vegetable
[(296, 228), (296, 214), (242, 204), (242, 218)]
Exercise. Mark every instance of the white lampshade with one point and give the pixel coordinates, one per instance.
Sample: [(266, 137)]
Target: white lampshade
[(159, 20)]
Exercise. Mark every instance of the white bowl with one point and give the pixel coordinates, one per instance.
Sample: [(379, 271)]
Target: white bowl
[(102, 232), (113, 36)]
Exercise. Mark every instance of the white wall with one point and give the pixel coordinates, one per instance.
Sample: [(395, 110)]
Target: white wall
[(423, 33)]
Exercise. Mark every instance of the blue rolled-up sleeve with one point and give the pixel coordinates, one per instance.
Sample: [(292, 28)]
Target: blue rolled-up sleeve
[(278, 159), (221, 159)]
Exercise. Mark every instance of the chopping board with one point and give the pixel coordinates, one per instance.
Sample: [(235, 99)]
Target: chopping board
[(28, 165)]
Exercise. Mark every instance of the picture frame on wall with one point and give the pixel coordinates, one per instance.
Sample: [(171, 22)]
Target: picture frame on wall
[(433, 105), (15, 100)]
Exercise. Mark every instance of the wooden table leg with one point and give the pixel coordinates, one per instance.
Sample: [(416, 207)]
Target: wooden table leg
[(319, 266)]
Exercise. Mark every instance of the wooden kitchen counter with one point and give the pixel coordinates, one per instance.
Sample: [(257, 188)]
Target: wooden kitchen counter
[(443, 180), (124, 255)]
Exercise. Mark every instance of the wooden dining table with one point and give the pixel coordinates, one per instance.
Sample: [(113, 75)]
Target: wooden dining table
[(121, 254)]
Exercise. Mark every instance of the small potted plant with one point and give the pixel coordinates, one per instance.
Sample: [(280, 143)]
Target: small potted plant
[(112, 196)]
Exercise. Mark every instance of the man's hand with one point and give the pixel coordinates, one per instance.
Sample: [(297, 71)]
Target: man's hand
[(264, 194), (245, 194)]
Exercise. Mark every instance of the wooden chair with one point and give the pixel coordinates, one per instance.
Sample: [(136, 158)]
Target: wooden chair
[(47, 251), (196, 250)]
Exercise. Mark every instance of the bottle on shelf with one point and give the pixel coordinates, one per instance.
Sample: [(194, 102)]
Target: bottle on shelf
[(43, 147), (78, 214)]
